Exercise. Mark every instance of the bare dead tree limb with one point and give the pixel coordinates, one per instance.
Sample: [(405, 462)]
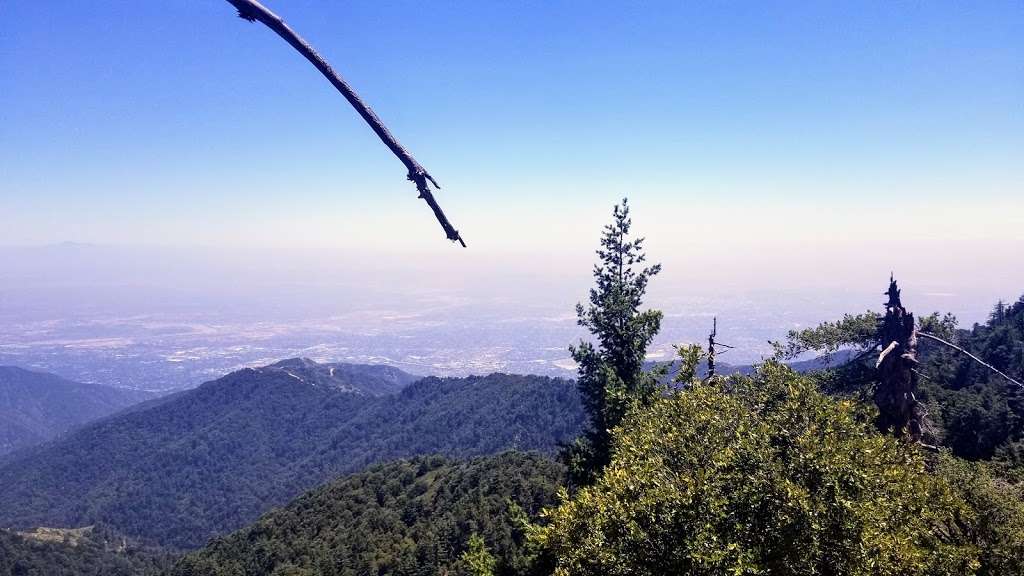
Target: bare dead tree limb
[(971, 356), (881, 357), (252, 11)]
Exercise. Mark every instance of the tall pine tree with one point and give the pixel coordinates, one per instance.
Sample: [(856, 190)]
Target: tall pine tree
[(611, 374)]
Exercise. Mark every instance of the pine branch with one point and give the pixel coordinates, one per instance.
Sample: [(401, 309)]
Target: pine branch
[(972, 356), (863, 354), (252, 11)]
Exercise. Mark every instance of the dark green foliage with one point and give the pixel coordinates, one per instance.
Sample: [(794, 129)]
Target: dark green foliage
[(994, 516), (853, 331), (35, 406), (424, 516), (97, 553), (209, 460), (942, 326), (611, 376)]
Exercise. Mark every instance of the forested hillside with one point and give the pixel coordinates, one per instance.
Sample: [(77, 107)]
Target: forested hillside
[(406, 517), (36, 406), (978, 413), (209, 460)]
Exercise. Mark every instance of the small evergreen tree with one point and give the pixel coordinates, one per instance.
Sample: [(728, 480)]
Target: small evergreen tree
[(998, 315), (477, 560), (611, 375)]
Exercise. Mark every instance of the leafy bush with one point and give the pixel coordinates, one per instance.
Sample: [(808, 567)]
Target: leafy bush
[(762, 475), (994, 522)]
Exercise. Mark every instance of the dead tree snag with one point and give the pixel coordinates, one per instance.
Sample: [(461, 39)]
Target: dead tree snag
[(898, 408)]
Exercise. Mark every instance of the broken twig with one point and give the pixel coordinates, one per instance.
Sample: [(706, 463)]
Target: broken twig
[(252, 11)]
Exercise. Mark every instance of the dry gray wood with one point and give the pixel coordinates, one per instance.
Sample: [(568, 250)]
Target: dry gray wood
[(254, 11), (881, 357)]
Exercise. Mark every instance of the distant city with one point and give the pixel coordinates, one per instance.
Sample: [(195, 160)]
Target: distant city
[(137, 336)]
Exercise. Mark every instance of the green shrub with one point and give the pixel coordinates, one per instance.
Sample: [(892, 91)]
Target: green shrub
[(761, 475)]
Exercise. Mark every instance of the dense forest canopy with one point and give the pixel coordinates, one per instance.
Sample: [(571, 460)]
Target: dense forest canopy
[(978, 414), (403, 518)]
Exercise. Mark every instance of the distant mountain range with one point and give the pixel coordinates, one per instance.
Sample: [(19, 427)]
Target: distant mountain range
[(181, 469), (725, 369), (36, 406)]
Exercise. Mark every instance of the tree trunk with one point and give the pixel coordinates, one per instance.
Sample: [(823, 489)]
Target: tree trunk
[(711, 349), (899, 410)]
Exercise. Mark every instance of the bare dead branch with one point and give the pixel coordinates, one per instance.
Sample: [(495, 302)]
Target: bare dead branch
[(252, 11), (971, 356), (892, 346)]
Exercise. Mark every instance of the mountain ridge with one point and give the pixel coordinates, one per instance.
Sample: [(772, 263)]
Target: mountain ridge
[(411, 516), (211, 459), (36, 407)]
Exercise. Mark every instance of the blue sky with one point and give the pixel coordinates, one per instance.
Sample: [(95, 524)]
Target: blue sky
[(790, 128)]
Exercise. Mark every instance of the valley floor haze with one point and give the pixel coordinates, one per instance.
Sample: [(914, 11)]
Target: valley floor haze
[(170, 318)]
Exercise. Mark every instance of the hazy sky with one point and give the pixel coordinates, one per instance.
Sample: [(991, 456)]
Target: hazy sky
[(773, 138)]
